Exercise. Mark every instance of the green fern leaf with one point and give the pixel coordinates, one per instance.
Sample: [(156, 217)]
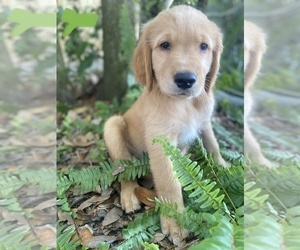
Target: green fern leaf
[(13, 237), (140, 230), (134, 168), (64, 238), (190, 176), (221, 235), (253, 197)]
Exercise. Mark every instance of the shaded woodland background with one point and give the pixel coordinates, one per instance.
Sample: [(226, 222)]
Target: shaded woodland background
[(35, 138), (95, 81), (96, 63)]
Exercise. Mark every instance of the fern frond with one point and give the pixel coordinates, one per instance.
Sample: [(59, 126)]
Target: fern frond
[(232, 180), (63, 184), (9, 184), (135, 168), (275, 137), (103, 175), (14, 237), (64, 206), (190, 176), (66, 239), (148, 246), (262, 231), (11, 204), (291, 229), (188, 219), (229, 137), (87, 178), (253, 197), (140, 230), (232, 156), (284, 157), (221, 236), (43, 178), (282, 184)]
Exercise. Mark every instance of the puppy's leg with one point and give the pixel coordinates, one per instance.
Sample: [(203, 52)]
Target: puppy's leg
[(168, 187), (211, 144), (253, 150), (114, 130)]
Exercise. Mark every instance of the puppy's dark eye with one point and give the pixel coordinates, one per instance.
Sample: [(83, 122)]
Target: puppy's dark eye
[(203, 46), (165, 46)]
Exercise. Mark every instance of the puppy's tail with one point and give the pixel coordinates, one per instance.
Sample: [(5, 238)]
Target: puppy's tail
[(114, 131)]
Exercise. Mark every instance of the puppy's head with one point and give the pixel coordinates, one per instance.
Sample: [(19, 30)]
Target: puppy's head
[(254, 48), (179, 50)]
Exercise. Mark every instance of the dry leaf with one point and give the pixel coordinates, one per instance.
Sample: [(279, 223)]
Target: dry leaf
[(67, 142), (118, 170), (80, 155), (39, 156), (158, 237), (46, 204), (92, 200), (85, 233), (46, 235), (144, 194), (82, 141), (41, 141), (81, 110), (112, 216), (72, 116), (91, 241)]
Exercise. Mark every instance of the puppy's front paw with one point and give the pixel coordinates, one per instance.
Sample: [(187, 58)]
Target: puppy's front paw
[(265, 162), (176, 233), (129, 201), (222, 162)]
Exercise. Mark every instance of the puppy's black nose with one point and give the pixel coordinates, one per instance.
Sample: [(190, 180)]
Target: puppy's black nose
[(185, 80)]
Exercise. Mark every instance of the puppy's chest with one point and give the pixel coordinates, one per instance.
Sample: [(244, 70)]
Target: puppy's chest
[(189, 131)]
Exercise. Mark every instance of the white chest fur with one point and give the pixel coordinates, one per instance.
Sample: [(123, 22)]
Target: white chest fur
[(188, 135), (191, 126)]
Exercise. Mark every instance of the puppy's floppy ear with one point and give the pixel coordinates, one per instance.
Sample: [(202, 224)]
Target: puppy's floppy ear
[(142, 61), (214, 68), (255, 39)]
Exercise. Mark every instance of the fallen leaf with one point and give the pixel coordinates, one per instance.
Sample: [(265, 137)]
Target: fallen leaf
[(118, 170), (91, 241), (81, 110), (82, 141), (46, 204), (42, 140), (96, 240), (72, 116), (92, 200), (80, 155), (64, 216), (39, 156), (46, 235), (67, 142), (85, 233), (13, 216), (158, 237), (112, 216), (144, 194)]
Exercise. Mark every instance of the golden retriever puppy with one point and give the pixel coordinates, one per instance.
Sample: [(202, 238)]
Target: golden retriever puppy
[(177, 59), (254, 48)]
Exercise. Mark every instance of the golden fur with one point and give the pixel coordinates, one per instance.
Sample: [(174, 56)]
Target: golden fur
[(165, 109), (254, 48)]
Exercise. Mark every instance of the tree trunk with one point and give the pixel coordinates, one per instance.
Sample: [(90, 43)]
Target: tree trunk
[(115, 70), (63, 92)]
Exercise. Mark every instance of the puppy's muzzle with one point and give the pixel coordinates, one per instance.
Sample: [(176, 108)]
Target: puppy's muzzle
[(184, 80)]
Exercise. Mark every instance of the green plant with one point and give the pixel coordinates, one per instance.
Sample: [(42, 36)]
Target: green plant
[(215, 195)]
